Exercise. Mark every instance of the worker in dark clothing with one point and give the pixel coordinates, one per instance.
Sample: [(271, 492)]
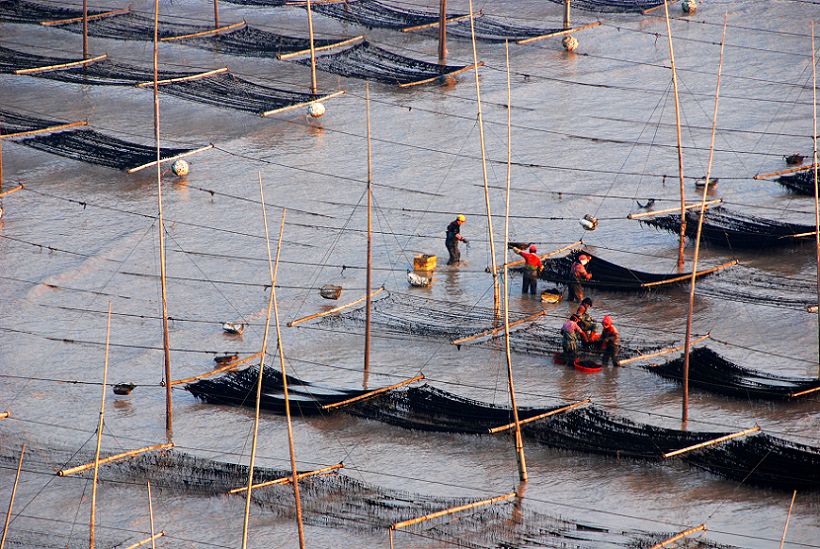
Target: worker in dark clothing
[(610, 342), (586, 322), (532, 268), (571, 337), (578, 273), (453, 237)]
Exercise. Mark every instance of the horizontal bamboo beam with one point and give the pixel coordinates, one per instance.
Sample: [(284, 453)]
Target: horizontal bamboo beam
[(146, 541), (674, 210), (334, 45), (560, 410), (799, 235), (47, 129), (315, 2), (11, 191), (806, 392), (109, 459), (288, 479), (498, 330), (183, 78), (557, 33), (90, 17), (373, 393), (785, 172), (300, 105), (704, 272), (5, 414), (678, 536), (62, 65), (171, 159), (435, 24), (656, 8), (518, 262), (293, 323), (711, 442), (433, 79), (664, 351), (208, 32), (219, 370), (450, 511)]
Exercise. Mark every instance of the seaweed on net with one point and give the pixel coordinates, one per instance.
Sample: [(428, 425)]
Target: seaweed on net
[(800, 183), (613, 6), (488, 29), (11, 122), (253, 42), (711, 372), (750, 285), (374, 14), (133, 26), (21, 11)]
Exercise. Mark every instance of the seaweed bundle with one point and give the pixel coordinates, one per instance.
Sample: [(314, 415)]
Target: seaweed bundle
[(725, 227), (614, 6), (749, 285), (711, 372), (21, 11), (370, 62), (14, 123), (374, 14), (488, 29), (800, 182)]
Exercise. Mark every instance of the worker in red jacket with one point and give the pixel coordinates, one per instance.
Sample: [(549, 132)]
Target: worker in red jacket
[(610, 342), (578, 273), (532, 268)]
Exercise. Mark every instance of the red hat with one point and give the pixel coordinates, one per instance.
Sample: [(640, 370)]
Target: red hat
[(533, 249), (607, 320), (584, 256)]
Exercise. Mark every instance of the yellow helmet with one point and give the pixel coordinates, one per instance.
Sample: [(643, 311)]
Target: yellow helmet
[(461, 218)]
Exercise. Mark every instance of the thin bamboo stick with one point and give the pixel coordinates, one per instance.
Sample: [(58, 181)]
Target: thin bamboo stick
[(82, 62), (300, 105), (435, 24), (170, 158), (517, 262), (93, 519), (785, 527), (786, 172), (663, 351), (670, 210), (676, 537), (208, 32), (693, 274), (90, 17), (4, 415), (13, 495), (286, 480), (450, 511), (151, 515), (806, 392), (442, 32), (1, 159), (219, 370), (147, 540), (711, 442), (567, 14), (373, 393), (55, 128), (293, 323), (216, 13), (369, 261), (560, 410), (435, 78), (11, 191), (816, 188), (335, 45), (498, 330), (558, 33), (655, 8), (314, 87), (183, 78), (85, 29), (115, 457), (800, 235)]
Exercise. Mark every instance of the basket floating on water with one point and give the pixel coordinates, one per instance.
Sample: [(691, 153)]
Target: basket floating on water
[(418, 281), (552, 295), (224, 359), (330, 291), (700, 183), (425, 262)]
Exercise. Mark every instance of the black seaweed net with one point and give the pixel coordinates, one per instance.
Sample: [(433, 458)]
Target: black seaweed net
[(11, 122), (253, 42), (488, 29), (20, 11), (800, 183), (613, 6), (373, 14)]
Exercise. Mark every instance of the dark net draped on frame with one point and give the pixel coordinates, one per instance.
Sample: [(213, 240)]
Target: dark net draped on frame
[(372, 14), (488, 29), (11, 122), (613, 6), (253, 42), (20, 11), (800, 183)]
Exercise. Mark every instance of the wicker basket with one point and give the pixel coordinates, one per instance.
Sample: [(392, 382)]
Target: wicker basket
[(329, 291)]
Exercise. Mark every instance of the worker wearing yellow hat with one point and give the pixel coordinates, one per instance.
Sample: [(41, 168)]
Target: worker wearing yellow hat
[(452, 239)]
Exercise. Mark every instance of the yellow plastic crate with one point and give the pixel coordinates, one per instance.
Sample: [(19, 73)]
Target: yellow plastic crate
[(424, 262)]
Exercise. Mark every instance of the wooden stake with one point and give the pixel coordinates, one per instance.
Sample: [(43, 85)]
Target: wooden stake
[(681, 535), (48, 129), (688, 338), (806, 392), (151, 515), (450, 511), (216, 14), (84, 62), (183, 78), (682, 242), (11, 500), (369, 287), (89, 18), (816, 190), (147, 540), (85, 29), (442, 32), (786, 172), (670, 210), (561, 410), (711, 442), (93, 519), (542, 256), (498, 330), (373, 393), (293, 323), (704, 272), (286, 480), (209, 32), (115, 457), (166, 344), (314, 87), (229, 366), (663, 351), (785, 527)]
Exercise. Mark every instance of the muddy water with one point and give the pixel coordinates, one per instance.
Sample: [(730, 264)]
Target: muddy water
[(607, 110)]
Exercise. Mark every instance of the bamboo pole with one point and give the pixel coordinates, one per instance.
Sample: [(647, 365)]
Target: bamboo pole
[(13, 495), (663, 351), (696, 255), (532, 419), (373, 393), (183, 78), (85, 29), (12, 190), (542, 256), (442, 32), (785, 527), (437, 23), (169, 409), (498, 330), (711, 442), (208, 32), (54, 128), (147, 540), (93, 519), (151, 515), (786, 172), (169, 159), (558, 33), (806, 392), (293, 323), (1, 159), (314, 87), (670, 210), (300, 105), (450, 511), (287, 480), (682, 242), (83, 62), (693, 274), (216, 14), (115, 457), (369, 279), (89, 18), (679, 536), (5, 414), (332, 46), (816, 189), (229, 366), (567, 10)]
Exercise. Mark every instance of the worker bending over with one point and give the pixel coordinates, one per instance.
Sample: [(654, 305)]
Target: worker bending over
[(572, 336), (532, 268), (578, 273), (452, 239), (586, 322)]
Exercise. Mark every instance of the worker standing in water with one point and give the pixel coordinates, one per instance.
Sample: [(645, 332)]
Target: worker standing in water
[(610, 342), (586, 322), (571, 337), (452, 239), (532, 268), (578, 273)]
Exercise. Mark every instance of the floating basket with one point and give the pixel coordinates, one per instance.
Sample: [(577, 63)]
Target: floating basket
[(330, 291), (233, 328), (587, 365), (589, 222), (553, 295), (700, 183), (424, 262), (123, 388)]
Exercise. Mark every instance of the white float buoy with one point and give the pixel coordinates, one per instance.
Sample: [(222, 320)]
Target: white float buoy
[(689, 6), (570, 43), (180, 168), (316, 110), (589, 222)]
